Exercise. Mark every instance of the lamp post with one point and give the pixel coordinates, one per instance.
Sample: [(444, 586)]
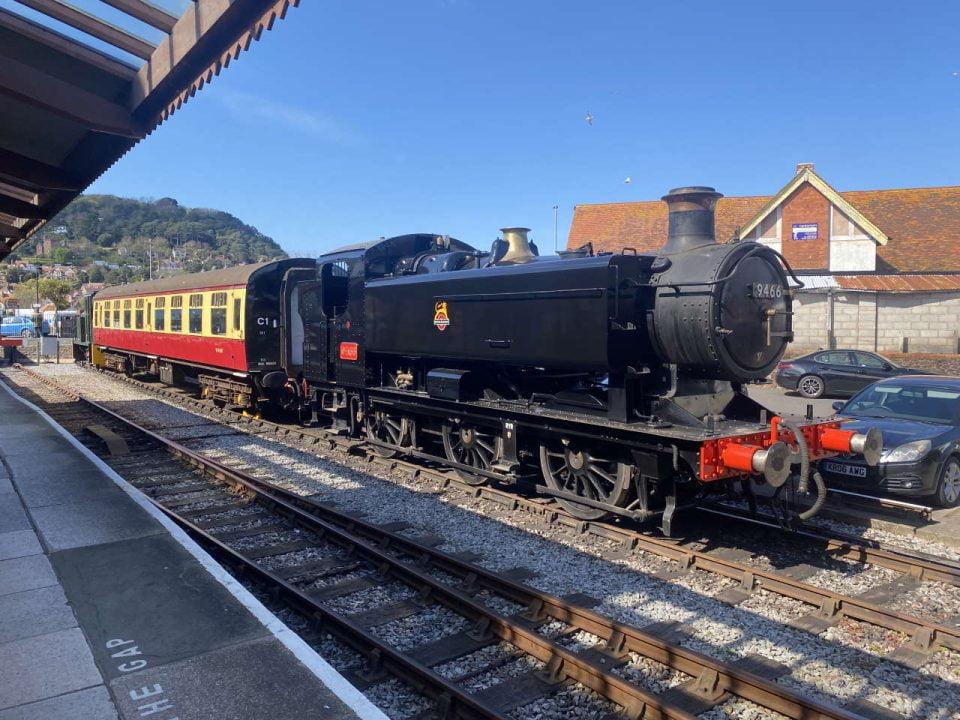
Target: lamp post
[(555, 209)]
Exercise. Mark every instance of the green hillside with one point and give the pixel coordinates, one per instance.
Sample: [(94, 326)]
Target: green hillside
[(125, 232)]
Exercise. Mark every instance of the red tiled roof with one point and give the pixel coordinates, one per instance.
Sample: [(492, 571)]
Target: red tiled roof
[(923, 225)]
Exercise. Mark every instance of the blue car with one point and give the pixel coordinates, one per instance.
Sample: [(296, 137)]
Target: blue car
[(17, 326)]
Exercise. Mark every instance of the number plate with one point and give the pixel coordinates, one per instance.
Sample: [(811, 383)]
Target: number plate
[(844, 469), (768, 291)]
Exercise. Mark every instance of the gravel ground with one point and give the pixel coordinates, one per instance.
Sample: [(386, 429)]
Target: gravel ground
[(843, 664)]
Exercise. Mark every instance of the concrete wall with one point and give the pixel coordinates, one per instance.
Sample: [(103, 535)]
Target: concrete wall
[(884, 322)]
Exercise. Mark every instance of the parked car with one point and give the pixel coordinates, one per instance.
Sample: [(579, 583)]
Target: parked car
[(836, 372), (22, 326), (920, 421), (18, 325)]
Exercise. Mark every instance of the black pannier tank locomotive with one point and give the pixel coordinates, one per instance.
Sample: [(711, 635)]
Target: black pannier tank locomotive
[(619, 376)]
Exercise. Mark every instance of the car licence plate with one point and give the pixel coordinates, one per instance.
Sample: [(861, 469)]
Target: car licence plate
[(844, 469)]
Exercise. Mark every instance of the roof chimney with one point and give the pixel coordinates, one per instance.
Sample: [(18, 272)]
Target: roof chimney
[(804, 166)]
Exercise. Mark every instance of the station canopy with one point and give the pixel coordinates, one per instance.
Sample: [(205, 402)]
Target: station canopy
[(80, 84)]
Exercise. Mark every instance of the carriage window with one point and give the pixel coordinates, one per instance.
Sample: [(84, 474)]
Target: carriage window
[(176, 320), (195, 317), (116, 318), (218, 321), (236, 313), (218, 313), (159, 315), (138, 319), (126, 318)]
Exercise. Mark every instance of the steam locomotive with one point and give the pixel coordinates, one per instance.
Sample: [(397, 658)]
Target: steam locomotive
[(619, 378)]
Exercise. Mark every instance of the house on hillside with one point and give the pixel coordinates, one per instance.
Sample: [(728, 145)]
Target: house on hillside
[(881, 268)]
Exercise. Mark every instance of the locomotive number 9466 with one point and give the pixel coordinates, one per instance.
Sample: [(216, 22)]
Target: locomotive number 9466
[(772, 291)]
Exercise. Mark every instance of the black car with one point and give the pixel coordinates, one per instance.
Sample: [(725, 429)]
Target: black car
[(920, 421), (836, 372)]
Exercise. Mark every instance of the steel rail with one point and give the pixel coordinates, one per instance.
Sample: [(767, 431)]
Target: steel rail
[(867, 552), (715, 678)]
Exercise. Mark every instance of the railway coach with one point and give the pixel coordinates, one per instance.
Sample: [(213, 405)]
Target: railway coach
[(223, 330)]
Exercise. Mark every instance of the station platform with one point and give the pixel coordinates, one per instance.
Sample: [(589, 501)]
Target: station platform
[(108, 610)]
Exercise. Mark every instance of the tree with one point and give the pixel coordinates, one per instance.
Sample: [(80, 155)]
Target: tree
[(96, 275), (55, 291)]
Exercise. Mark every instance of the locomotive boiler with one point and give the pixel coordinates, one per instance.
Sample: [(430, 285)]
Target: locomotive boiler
[(614, 382)]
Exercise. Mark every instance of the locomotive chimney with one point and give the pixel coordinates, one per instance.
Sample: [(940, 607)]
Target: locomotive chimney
[(518, 246), (691, 218)]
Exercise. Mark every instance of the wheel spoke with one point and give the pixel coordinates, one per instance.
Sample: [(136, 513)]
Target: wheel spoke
[(606, 476), (484, 458), (598, 492)]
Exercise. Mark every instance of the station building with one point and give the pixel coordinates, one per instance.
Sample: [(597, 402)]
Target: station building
[(881, 268)]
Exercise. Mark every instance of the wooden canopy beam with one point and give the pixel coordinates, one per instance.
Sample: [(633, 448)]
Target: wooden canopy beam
[(10, 231), (91, 25), (24, 83), (21, 171), (63, 44), (146, 12), (20, 208)]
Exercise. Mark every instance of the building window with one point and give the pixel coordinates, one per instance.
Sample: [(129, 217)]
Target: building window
[(768, 231), (851, 250)]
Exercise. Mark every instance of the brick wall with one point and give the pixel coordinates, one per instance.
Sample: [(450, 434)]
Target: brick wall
[(806, 205), (888, 322)]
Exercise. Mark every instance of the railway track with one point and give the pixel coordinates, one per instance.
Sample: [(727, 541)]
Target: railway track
[(264, 533), (827, 608)]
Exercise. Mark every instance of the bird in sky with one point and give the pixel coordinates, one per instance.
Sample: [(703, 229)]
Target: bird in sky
[(589, 117)]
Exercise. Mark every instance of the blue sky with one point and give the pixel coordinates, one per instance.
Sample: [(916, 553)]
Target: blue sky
[(356, 119)]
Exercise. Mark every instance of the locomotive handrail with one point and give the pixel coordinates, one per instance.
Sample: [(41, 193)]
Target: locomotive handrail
[(750, 253)]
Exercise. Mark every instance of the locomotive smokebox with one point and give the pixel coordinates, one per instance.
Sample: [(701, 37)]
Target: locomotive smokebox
[(691, 218)]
